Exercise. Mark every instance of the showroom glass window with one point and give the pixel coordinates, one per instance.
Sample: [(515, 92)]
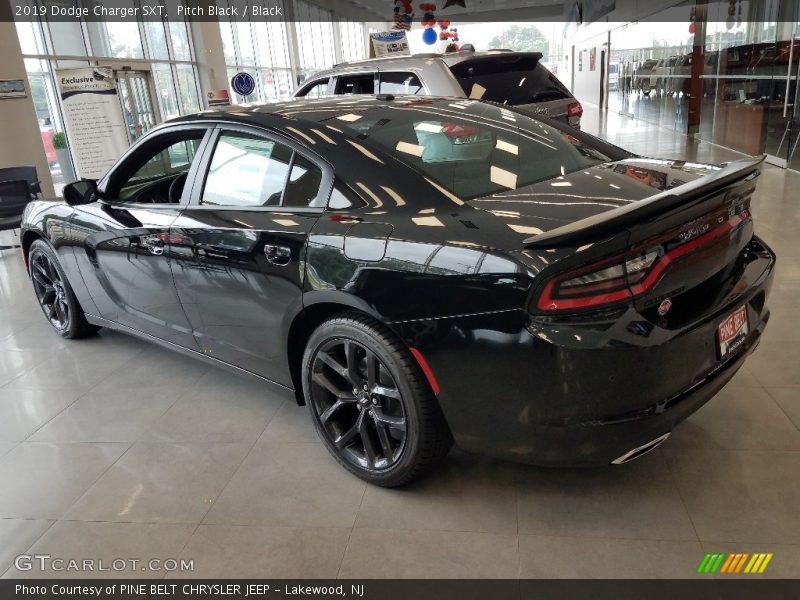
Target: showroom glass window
[(729, 75), (315, 38), (261, 48), (163, 52)]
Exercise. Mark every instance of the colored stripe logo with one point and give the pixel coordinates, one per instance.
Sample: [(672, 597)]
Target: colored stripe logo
[(738, 562)]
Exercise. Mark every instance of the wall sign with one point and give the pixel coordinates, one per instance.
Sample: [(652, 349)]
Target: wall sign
[(243, 84), (93, 118), (388, 43), (218, 98), (12, 88)]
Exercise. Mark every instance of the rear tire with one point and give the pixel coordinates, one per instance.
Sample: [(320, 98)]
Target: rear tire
[(54, 293), (370, 402)]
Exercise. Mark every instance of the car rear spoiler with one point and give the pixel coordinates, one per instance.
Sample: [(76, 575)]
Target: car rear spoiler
[(598, 226)]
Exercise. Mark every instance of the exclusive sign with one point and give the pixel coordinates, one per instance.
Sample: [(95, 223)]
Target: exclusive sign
[(93, 118)]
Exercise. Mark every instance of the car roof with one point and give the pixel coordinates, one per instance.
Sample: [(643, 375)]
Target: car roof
[(319, 123), (414, 60), (293, 117)]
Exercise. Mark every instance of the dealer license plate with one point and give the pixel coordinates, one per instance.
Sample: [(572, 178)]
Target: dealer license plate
[(732, 332)]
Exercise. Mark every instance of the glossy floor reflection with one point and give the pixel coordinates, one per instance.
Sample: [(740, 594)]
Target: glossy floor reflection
[(113, 448)]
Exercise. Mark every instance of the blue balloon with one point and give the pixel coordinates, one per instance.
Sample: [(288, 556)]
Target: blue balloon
[(429, 36)]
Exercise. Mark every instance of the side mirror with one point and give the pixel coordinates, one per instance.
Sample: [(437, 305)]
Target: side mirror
[(80, 192)]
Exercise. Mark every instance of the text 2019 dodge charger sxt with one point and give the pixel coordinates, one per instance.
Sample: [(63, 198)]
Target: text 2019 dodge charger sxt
[(419, 270)]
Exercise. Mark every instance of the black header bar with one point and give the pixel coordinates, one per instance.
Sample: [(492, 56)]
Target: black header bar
[(382, 11)]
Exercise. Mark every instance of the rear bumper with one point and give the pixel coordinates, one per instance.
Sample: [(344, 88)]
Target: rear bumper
[(600, 443), (580, 393)]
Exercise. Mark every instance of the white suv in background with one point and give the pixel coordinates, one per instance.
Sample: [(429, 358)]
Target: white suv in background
[(514, 78)]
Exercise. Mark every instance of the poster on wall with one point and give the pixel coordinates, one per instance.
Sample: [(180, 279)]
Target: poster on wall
[(580, 60), (218, 98), (388, 43), (93, 118), (592, 57), (12, 88)]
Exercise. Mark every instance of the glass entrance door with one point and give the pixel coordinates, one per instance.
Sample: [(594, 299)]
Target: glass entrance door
[(792, 139), (137, 102), (781, 130)]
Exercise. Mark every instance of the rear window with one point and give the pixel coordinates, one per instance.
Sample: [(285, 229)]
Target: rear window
[(398, 82), (509, 79), (473, 149)]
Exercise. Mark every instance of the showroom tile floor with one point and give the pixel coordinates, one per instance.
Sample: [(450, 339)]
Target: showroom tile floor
[(113, 448)]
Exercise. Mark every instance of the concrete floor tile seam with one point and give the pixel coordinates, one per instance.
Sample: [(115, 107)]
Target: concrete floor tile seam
[(44, 424), (673, 478), (13, 446), (235, 471), (99, 476), (233, 474), (350, 534), (143, 522), (529, 533), (30, 547), (778, 404)]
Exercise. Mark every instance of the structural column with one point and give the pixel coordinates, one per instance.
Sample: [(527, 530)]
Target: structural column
[(22, 141), (210, 56)]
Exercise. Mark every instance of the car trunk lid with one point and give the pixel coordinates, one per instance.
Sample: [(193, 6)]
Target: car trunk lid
[(667, 244), (547, 205)]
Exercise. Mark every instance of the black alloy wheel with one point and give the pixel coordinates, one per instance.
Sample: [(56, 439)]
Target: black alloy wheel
[(54, 294), (358, 404), (50, 291), (370, 402)]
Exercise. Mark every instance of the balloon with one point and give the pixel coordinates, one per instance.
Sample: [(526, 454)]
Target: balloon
[(429, 37)]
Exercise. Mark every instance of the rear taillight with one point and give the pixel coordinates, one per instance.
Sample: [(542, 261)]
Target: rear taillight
[(602, 283), (574, 109), (627, 276)]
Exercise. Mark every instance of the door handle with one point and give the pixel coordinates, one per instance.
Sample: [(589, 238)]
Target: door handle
[(278, 255)]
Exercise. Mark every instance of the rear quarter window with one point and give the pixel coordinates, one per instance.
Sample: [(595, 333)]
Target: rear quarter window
[(509, 79), (399, 82)]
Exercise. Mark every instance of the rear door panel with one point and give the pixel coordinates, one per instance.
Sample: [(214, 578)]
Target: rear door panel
[(238, 303), (239, 274)]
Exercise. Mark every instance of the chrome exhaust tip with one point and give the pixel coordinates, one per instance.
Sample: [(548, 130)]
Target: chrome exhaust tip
[(640, 450)]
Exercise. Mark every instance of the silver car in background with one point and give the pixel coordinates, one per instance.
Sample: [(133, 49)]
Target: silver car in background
[(514, 78)]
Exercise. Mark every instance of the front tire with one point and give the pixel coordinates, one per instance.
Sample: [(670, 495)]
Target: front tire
[(370, 402), (54, 293)]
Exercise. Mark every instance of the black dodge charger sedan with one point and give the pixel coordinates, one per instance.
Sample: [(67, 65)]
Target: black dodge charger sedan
[(420, 271)]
